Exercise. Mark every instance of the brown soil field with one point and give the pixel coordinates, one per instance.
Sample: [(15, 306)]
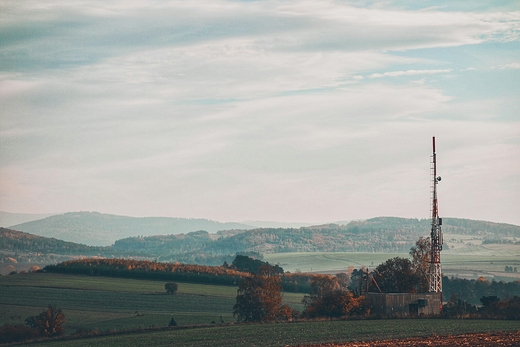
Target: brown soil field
[(502, 339)]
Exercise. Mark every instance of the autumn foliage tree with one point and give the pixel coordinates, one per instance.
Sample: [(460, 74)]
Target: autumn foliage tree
[(49, 323), (328, 299), (259, 298)]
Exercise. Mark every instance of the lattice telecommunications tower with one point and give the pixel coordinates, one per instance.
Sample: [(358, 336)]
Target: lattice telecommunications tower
[(435, 283)]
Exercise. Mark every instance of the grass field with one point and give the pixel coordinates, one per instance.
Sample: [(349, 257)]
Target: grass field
[(114, 303), (287, 334)]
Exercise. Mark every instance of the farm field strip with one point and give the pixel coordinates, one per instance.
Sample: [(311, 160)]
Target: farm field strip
[(106, 321), (25, 295), (339, 261), (112, 301), (99, 283), (288, 334)]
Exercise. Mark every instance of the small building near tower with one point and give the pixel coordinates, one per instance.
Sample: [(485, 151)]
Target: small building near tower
[(405, 304)]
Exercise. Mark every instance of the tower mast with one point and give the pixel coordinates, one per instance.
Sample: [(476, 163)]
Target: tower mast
[(435, 283)]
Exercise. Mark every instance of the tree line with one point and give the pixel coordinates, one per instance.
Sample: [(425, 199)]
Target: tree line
[(144, 269), (241, 267)]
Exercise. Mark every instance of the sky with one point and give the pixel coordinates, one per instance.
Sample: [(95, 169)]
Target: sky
[(307, 111)]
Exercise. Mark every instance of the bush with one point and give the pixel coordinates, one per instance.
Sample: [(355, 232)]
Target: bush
[(171, 287), (172, 323), (16, 333)]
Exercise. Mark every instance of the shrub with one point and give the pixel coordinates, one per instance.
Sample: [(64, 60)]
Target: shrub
[(16, 333)]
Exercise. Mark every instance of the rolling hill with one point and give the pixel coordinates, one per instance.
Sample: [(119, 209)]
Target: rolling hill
[(98, 229), (383, 234), (19, 250), (20, 242), (8, 218)]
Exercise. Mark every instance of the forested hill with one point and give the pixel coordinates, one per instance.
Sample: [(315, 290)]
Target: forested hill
[(98, 229), (20, 242), (384, 234)]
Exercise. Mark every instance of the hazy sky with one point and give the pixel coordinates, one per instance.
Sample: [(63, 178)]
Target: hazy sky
[(310, 111)]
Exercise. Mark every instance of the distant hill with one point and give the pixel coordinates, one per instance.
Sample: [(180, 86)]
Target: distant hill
[(98, 229), (20, 242), (376, 235), (7, 218), (19, 250), (383, 234), (269, 224)]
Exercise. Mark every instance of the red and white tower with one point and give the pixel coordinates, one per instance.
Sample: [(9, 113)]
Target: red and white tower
[(435, 284)]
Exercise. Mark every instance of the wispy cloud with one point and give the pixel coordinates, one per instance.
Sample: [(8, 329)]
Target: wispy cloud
[(302, 109), (408, 73), (510, 66)]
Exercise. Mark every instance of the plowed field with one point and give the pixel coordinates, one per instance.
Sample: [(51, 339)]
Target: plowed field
[(505, 339)]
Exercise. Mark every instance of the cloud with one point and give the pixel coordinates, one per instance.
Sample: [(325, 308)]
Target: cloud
[(510, 66), (408, 73), (248, 110)]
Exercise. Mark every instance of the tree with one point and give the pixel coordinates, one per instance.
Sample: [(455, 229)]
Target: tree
[(172, 323), (49, 322), (328, 299), (247, 264), (343, 279), (421, 254), (456, 308), (35, 268), (396, 275), (259, 297), (286, 313), (171, 287)]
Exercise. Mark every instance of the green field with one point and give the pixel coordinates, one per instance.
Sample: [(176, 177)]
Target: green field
[(113, 303), (287, 334), (466, 257)]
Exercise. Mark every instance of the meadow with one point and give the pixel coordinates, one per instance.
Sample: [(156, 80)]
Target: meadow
[(203, 313), (464, 256), (105, 303)]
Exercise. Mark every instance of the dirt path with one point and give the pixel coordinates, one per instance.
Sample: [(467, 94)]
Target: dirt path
[(503, 339)]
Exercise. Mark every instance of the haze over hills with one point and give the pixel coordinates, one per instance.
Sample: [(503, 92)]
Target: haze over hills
[(20, 242), (167, 237), (382, 234), (98, 229), (272, 224), (8, 218)]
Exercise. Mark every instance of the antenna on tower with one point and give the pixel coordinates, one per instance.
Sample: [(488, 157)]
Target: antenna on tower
[(435, 280)]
